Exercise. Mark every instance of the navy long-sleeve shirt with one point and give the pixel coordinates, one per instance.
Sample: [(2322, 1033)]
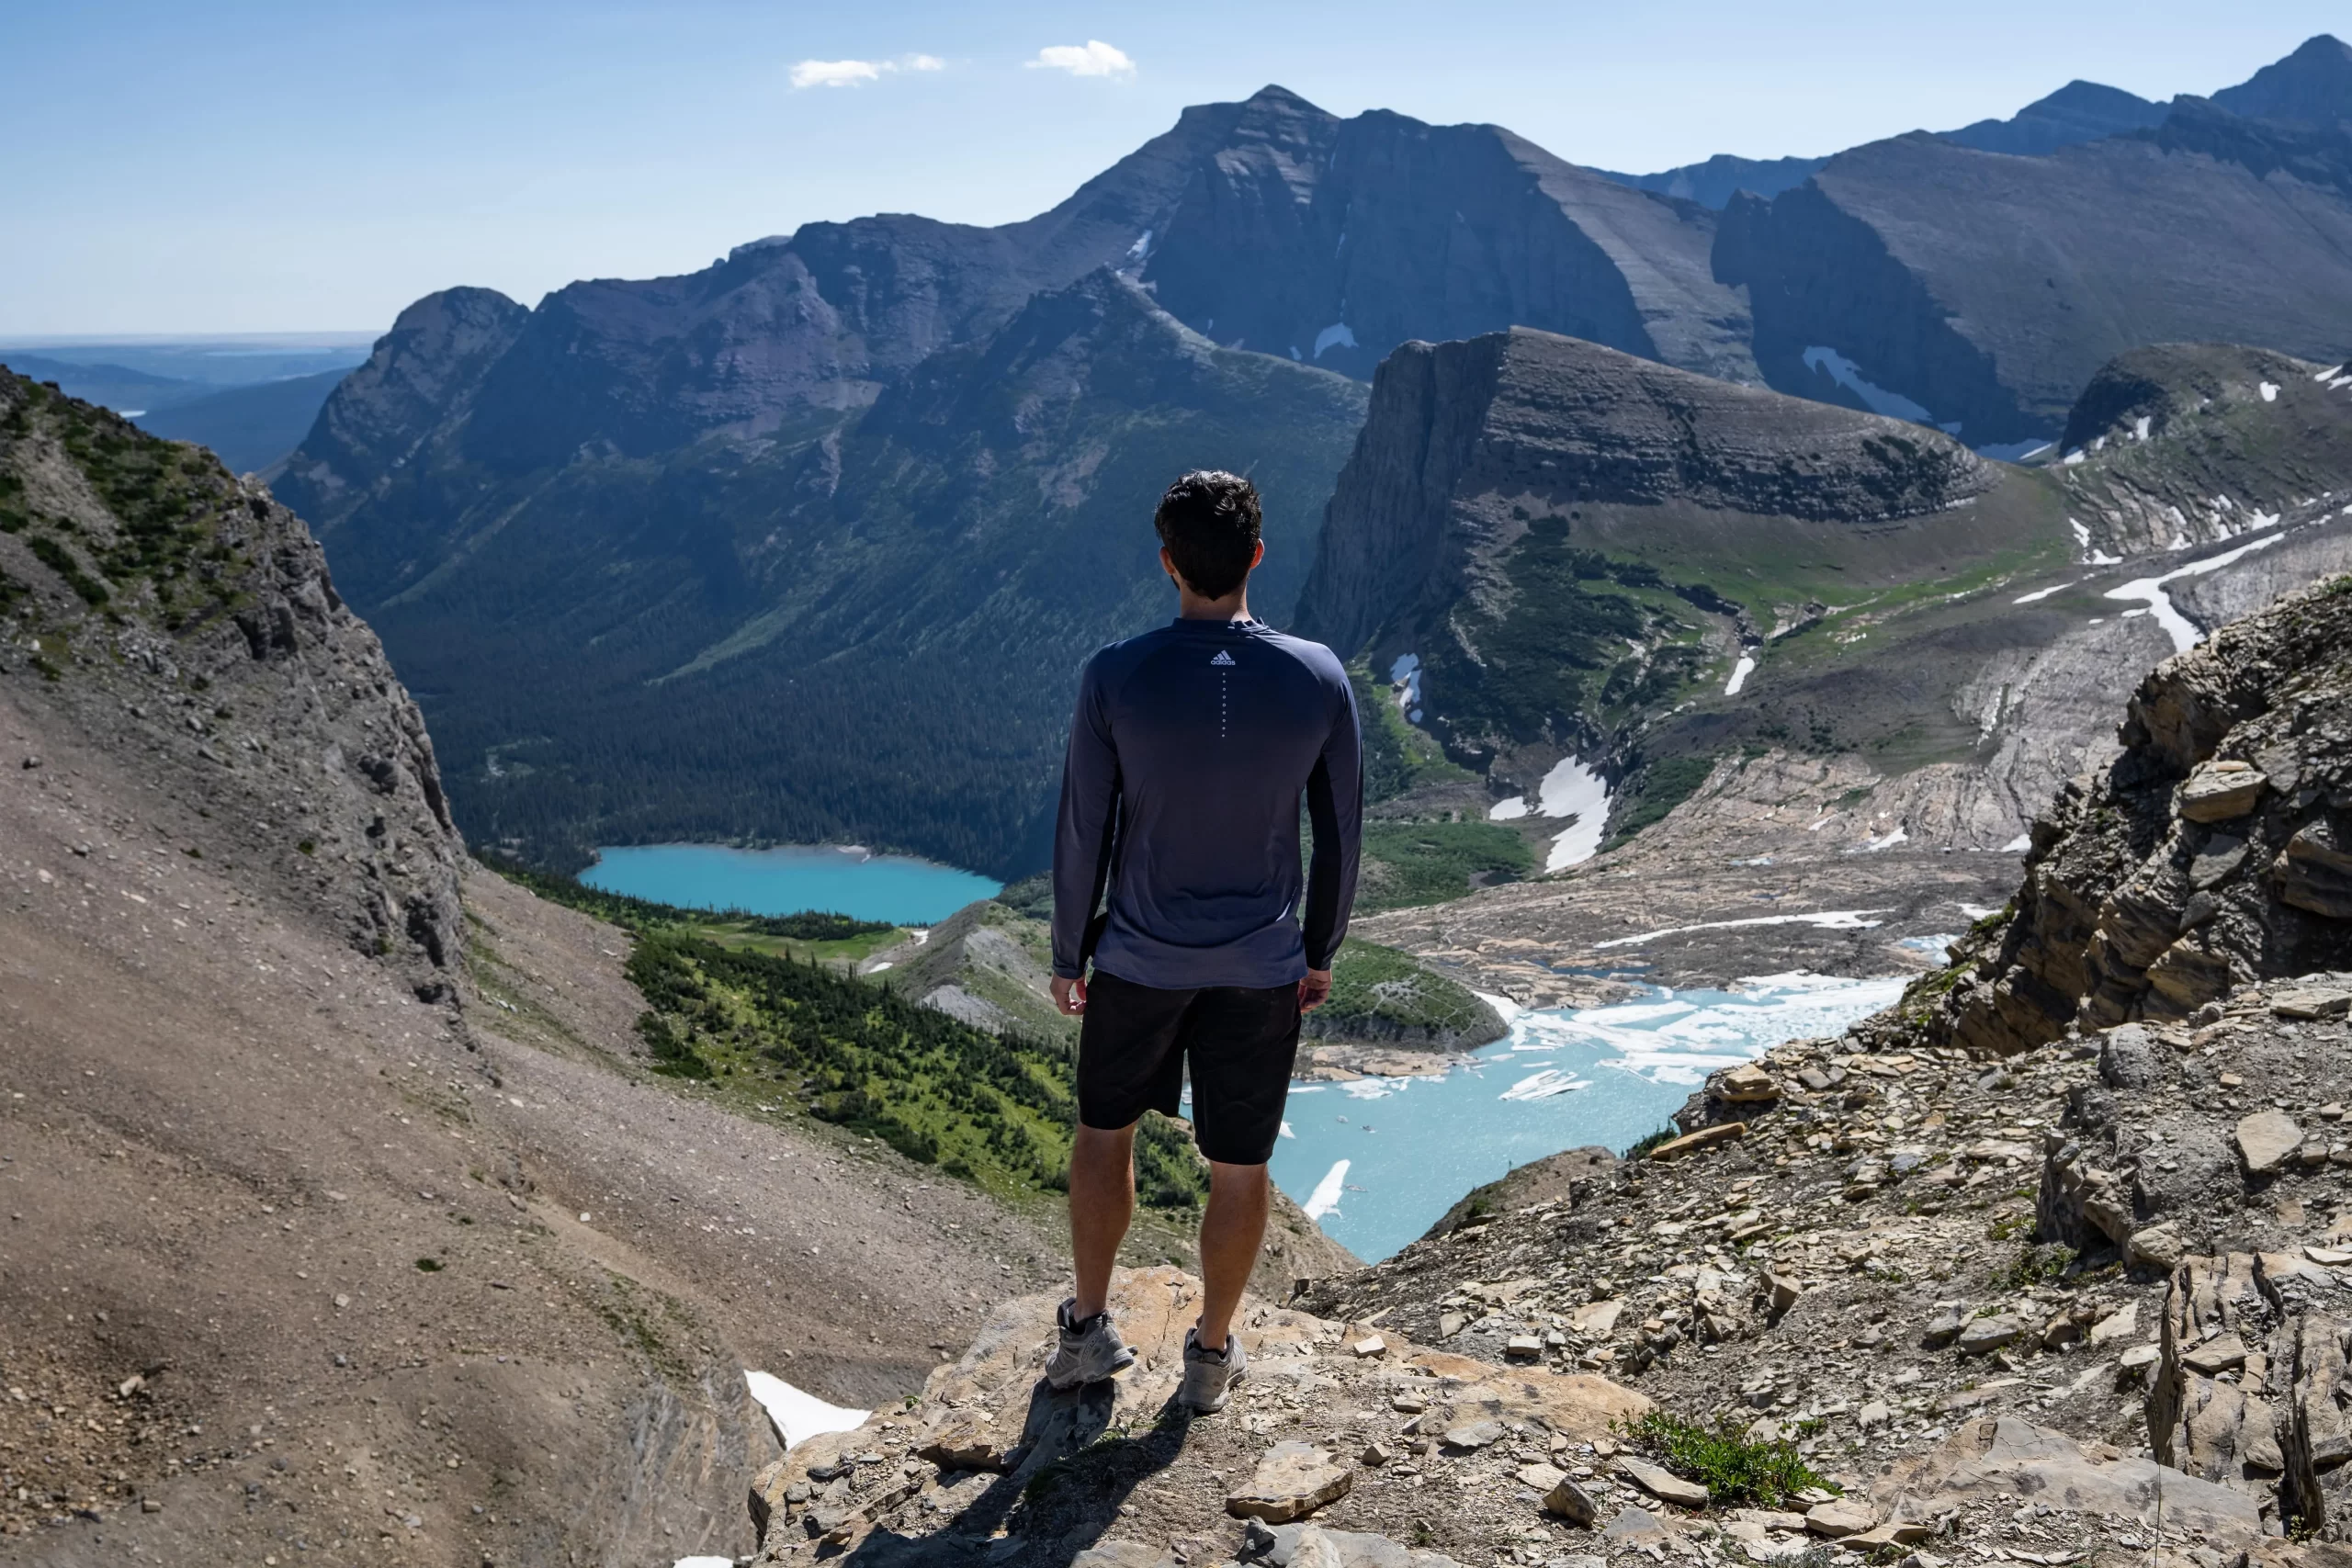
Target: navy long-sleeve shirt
[(1188, 754)]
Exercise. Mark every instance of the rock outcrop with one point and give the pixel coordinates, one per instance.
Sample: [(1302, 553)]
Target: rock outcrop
[(1340, 1423), (2212, 853), (177, 613)]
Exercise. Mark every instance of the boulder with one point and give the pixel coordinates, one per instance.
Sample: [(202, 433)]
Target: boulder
[(1291, 1482), (2311, 1002), (1746, 1085), (1568, 1500), (2221, 791), (1985, 1334), (2157, 1246), (1472, 1435)]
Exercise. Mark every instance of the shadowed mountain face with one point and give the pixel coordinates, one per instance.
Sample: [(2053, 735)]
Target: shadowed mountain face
[(868, 628), (1983, 290), (1335, 240)]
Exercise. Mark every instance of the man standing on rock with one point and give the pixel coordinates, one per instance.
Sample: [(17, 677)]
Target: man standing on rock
[(1188, 755)]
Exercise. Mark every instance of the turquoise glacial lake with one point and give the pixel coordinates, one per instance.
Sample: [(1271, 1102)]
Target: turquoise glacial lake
[(1377, 1161), (843, 879)]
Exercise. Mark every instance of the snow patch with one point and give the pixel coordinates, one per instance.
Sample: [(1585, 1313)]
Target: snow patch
[(2269, 393), (1824, 919), (1510, 810), (1326, 1196), (1740, 673), (2014, 451), (2151, 590), (1141, 248), (1571, 789), (2041, 594), (1877, 398), (1406, 672), (2018, 845), (797, 1416), (1886, 841), (2140, 426), (1336, 336), (2330, 374), (2073, 457), (1505, 1009)]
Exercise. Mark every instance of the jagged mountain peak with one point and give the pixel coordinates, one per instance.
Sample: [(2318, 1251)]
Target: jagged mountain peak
[(2312, 87)]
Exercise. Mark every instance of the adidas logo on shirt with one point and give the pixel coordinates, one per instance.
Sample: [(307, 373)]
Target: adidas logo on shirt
[(1222, 658)]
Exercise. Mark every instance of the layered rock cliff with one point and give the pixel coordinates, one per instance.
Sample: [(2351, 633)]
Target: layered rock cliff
[(2212, 853)]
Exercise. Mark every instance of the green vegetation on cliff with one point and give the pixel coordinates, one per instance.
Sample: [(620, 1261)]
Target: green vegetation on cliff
[(1384, 996)]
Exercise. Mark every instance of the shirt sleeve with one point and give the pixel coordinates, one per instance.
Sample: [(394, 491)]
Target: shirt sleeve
[(1335, 810), (1087, 824)]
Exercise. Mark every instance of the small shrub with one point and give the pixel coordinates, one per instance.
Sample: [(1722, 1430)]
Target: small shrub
[(1640, 1149), (428, 1266), (1733, 1469)]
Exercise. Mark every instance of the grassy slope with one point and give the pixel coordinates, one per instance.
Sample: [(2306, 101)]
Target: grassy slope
[(999, 1111)]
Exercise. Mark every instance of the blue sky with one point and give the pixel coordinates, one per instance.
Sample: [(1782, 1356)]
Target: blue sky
[(272, 166)]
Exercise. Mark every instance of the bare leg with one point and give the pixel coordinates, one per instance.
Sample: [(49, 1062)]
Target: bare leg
[(1231, 1232), (1102, 1200)]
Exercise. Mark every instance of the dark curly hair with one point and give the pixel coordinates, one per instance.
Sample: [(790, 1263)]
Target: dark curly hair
[(1210, 521)]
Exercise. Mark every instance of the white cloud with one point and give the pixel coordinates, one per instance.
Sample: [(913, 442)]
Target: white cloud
[(1093, 58), (858, 73), (835, 73)]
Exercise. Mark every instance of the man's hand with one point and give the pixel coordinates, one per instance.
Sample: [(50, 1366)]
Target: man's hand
[(1069, 996), (1314, 990)]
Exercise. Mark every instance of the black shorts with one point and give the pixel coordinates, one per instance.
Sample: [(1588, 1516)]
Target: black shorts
[(1240, 1043)]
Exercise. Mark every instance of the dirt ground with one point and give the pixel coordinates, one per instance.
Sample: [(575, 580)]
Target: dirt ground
[(296, 1263)]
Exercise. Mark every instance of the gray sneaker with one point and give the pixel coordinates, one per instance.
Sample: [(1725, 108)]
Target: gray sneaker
[(1209, 1375), (1086, 1353)]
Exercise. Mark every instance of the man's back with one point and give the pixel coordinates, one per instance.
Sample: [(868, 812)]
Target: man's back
[(1189, 751)]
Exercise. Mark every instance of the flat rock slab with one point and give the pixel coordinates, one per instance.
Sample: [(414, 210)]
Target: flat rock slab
[(1638, 1525), (2311, 1002), (1845, 1517), (1704, 1138), (1474, 1434), (2264, 1140), (2222, 1354), (1662, 1483), (1291, 1482), (2004, 1458), (1597, 1319), (1746, 1085)]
